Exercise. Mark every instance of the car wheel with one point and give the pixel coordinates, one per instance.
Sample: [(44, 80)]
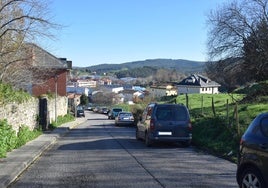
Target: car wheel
[(251, 178), (148, 141)]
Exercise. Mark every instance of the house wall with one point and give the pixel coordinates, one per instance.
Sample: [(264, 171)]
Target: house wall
[(191, 90), (50, 85), (156, 92), (27, 113), (209, 90)]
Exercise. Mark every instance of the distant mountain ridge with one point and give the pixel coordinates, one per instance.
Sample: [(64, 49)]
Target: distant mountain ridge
[(181, 65)]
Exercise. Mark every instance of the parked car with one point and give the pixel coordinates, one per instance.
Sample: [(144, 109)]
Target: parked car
[(103, 110), (114, 112), (96, 109), (165, 122), (252, 169), (90, 107), (80, 112), (124, 118)]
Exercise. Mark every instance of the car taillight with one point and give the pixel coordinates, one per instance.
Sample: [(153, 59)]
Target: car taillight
[(241, 141), (190, 125), (152, 124)]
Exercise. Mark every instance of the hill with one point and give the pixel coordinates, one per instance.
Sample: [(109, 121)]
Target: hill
[(184, 66)]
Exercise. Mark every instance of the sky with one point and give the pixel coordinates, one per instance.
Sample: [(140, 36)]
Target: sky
[(119, 31)]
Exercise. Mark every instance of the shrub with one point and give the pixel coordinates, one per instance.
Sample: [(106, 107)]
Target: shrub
[(25, 135), (8, 138)]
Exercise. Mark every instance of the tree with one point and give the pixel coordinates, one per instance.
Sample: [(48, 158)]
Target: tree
[(236, 28), (83, 99), (256, 53), (21, 21)]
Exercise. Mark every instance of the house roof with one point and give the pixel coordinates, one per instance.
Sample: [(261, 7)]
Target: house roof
[(199, 81), (44, 59)]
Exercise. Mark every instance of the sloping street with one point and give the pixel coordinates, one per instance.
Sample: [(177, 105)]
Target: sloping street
[(98, 154)]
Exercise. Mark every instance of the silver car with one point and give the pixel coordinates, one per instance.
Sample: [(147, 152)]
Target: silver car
[(165, 122), (124, 118)]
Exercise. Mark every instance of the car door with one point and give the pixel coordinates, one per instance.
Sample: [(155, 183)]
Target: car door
[(144, 122), (263, 144)]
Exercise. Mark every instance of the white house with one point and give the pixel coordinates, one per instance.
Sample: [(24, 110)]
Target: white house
[(198, 84)]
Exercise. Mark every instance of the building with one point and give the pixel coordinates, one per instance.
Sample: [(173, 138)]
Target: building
[(79, 90), (163, 90), (198, 84), (86, 83), (49, 73)]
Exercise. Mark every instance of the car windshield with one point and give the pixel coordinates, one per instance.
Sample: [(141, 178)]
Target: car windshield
[(173, 113)]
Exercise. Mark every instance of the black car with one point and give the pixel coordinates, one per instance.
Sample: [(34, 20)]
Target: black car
[(165, 122), (80, 111), (252, 168)]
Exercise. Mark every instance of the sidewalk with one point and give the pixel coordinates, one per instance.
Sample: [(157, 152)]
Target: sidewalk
[(19, 159)]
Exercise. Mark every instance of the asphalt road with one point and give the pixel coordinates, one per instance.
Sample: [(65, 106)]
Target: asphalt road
[(98, 154)]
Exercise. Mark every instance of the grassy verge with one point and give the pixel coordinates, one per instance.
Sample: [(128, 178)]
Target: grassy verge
[(219, 132), (61, 120)]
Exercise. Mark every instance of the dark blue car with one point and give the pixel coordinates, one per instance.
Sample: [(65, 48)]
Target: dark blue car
[(252, 168)]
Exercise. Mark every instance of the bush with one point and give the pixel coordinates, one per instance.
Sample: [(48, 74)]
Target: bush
[(25, 135), (8, 138)]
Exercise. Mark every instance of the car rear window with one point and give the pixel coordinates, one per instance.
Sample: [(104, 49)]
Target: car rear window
[(117, 110), (171, 113), (125, 114)]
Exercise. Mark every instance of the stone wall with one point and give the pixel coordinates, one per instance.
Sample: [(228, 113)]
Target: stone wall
[(27, 113), (61, 106)]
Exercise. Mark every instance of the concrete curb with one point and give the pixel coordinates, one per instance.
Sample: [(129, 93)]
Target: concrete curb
[(20, 159)]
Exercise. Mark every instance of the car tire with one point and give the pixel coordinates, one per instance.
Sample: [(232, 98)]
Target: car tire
[(251, 177), (148, 141)]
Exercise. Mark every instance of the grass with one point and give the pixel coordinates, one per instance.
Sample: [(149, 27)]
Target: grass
[(61, 120), (220, 133)]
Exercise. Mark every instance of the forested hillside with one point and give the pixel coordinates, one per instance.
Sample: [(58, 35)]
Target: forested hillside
[(148, 66)]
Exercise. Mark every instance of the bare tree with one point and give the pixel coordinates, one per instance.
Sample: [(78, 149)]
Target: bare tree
[(21, 21), (234, 25)]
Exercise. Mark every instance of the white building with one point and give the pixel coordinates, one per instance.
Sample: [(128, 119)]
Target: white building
[(198, 84), (78, 90), (86, 83)]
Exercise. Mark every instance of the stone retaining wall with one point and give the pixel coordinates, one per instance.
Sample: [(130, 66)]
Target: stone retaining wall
[(27, 113)]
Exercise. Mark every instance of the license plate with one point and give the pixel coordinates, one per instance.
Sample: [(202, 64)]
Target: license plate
[(165, 133)]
